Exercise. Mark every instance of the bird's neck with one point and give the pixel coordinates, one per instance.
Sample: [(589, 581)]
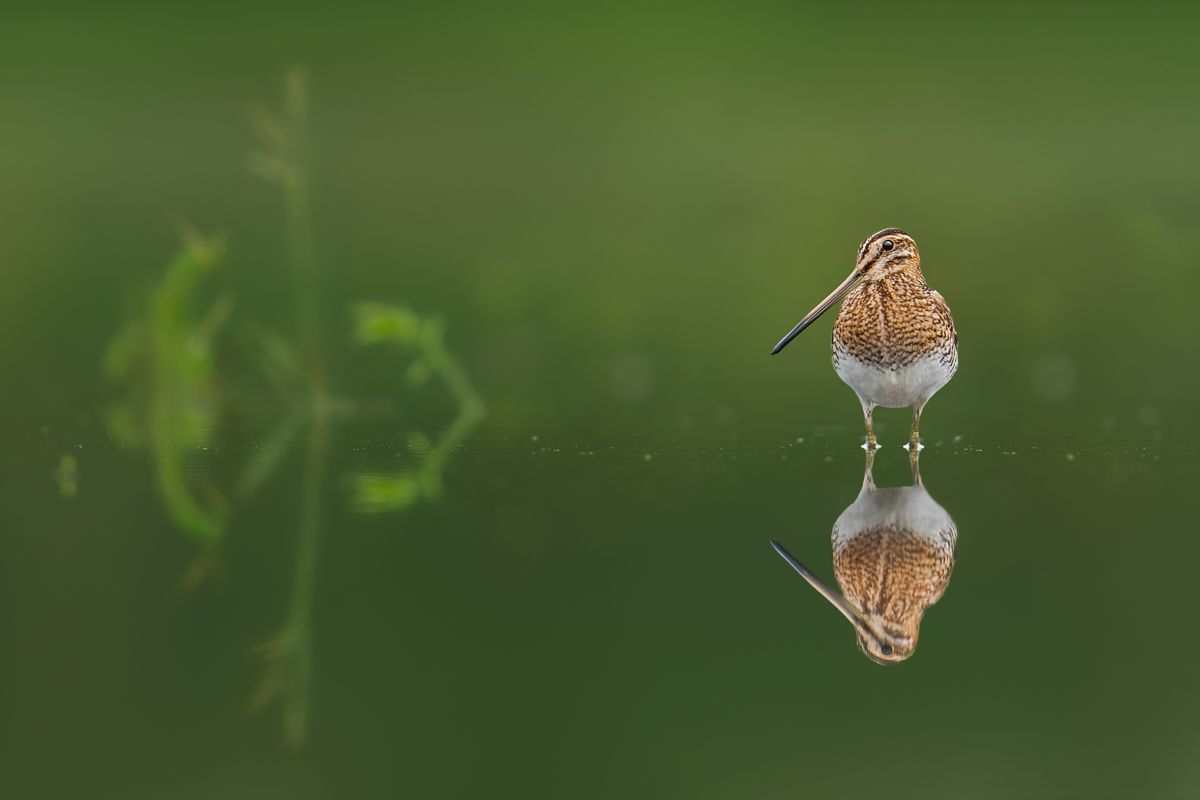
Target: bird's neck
[(902, 275)]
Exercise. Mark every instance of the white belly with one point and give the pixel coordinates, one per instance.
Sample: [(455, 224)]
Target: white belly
[(907, 385), (900, 509)]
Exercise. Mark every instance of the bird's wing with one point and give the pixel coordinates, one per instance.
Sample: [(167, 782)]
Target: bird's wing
[(944, 307)]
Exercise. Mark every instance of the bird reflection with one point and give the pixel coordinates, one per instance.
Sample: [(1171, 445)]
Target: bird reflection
[(893, 551)]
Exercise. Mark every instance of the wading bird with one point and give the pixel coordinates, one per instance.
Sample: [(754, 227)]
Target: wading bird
[(894, 341), (893, 551)]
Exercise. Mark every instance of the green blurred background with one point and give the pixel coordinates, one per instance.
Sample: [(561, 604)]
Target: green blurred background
[(616, 212)]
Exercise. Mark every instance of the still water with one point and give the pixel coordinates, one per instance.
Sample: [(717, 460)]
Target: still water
[(403, 425), (599, 619)]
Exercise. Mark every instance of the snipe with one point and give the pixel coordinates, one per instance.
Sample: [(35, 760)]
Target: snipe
[(894, 342), (893, 551)]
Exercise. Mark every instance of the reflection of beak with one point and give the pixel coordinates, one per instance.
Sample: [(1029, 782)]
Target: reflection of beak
[(838, 601), (822, 307)]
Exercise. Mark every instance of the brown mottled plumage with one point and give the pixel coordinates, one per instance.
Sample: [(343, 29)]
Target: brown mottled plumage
[(894, 572), (894, 322), (893, 552), (894, 341)]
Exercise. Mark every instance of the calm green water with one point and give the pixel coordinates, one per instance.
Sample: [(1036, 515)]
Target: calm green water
[(442, 457)]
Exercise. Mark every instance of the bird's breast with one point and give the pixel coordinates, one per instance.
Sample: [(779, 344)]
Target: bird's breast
[(893, 550), (894, 326)]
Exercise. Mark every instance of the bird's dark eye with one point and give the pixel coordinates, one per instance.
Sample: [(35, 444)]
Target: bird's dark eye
[(888, 244), (887, 648)]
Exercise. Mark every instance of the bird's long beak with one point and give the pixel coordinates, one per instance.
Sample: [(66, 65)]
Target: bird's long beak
[(833, 597), (834, 296)]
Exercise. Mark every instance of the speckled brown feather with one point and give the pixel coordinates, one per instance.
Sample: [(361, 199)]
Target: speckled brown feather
[(895, 573), (894, 321)]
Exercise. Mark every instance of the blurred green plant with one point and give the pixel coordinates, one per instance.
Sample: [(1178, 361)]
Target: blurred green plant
[(401, 327), (288, 655), (165, 361)]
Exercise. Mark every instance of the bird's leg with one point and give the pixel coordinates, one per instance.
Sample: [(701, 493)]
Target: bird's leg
[(914, 461), (914, 441), (868, 410), (868, 471)]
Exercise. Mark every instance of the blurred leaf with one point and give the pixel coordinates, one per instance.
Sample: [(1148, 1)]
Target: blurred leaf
[(267, 459), (376, 493), (273, 355), (172, 474), (375, 322), (173, 403)]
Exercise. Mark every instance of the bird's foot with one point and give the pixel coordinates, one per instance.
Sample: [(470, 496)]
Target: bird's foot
[(870, 445), (914, 446)]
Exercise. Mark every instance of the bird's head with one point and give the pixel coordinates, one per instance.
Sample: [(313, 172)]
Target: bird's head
[(881, 254), (885, 253), (884, 641)]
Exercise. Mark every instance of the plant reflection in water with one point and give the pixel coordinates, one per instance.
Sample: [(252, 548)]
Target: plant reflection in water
[(175, 392)]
